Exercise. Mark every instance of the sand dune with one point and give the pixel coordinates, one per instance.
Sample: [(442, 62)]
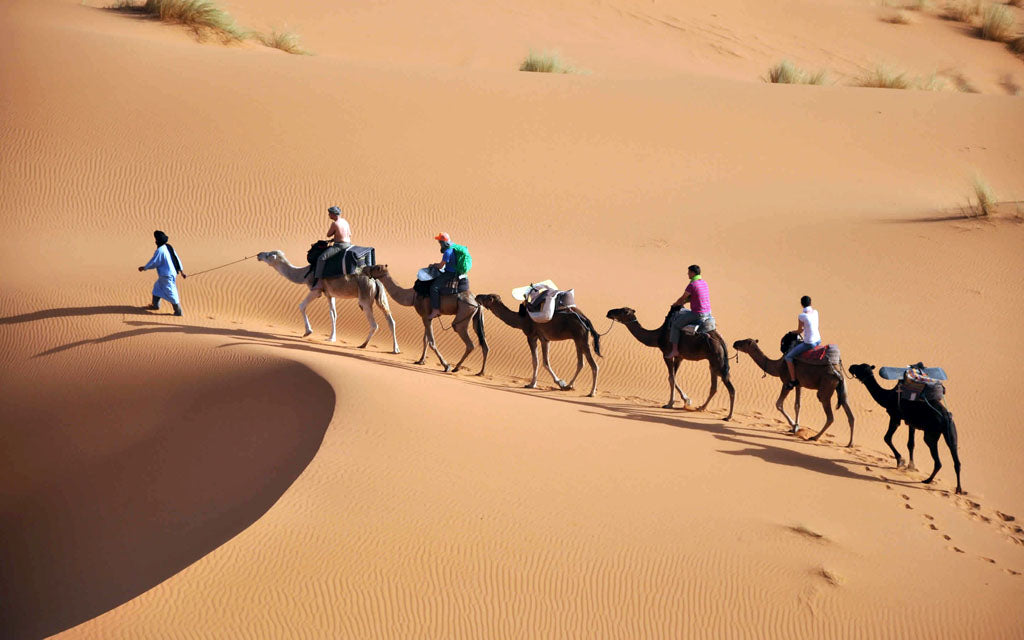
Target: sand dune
[(219, 476)]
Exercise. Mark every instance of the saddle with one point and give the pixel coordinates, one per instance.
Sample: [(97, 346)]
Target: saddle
[(542, 300), (428, 274), (349, 261), (823, 354), (918, 383), (705, 326)]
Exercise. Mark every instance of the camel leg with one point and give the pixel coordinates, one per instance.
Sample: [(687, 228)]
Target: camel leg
[(462, 328), (367, 308), (825, 395), (931, 438), (579, 366), (532, 341), (849, 417), (478, 326), (910, 449), (894, 423), (950, 436), (732, 395), (429, 334), (333, 311), (394, 334), (426, 330), (311, 296), (796, 407), (671, 365), (593, 368), (544, 346), (714, 387), (780, 405)]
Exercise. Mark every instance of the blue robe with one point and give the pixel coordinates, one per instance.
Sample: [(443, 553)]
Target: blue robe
[(166, 286)]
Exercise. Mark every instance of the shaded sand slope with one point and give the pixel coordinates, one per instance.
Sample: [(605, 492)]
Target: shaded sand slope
[(119, 473), (449, 505), (601, 518)]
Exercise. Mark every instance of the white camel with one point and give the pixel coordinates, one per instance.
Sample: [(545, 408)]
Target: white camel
[(359, 286)]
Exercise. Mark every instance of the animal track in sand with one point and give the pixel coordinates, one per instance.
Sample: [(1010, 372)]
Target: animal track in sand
[(809, 533), (1005, 517), (957, 549), (1012, 572)]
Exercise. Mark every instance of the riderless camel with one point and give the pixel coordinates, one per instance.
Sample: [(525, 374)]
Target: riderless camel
[(564, 325), (366, 289), (933, 420)]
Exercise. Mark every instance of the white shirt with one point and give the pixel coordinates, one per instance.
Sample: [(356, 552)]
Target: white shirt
[(809, 319)]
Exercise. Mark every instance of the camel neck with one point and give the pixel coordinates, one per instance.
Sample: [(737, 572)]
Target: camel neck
[(878, 393), (508, 316), (649, 337), (291, 272), (769, 366), (401, 295)]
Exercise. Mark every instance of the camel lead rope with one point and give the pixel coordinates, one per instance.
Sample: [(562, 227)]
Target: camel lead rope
[(222, 266)]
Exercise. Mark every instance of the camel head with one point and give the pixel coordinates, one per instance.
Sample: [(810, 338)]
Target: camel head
[(746, 346), (376, 271), (625, 315), (862, 371), (271, 257), (488, 300)]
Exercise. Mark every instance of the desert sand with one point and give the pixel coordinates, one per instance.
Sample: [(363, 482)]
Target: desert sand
[(219, 475)]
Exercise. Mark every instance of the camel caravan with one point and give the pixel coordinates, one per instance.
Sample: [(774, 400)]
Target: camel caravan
[(546, 314)]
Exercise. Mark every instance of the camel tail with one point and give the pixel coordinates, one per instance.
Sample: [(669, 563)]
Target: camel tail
[(593, 332), (478, 326), (841, 395)]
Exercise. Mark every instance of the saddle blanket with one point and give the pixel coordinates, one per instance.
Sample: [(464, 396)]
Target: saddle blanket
[(346, 262), (822, 354), (707, 326), (459, 285)]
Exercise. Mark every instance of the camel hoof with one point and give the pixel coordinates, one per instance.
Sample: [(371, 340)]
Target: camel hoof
[(960, 492), (529, 386), (418, 362), (396, 351), (667, 406), (362, 346), (307, 333), (926, 481), (332, 339), (591, 395)]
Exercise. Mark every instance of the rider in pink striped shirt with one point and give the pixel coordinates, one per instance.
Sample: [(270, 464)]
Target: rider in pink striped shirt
[(696, 294)]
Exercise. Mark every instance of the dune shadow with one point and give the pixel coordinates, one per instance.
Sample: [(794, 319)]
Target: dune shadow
[(72, 312), (88, 534)]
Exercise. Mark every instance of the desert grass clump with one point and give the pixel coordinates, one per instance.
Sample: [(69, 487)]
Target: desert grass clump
[(962, 10), (884, 78), (997, 24), (283, 40), (786, 72), (202, 17), (897, 17), (545, 63), (985, 200)]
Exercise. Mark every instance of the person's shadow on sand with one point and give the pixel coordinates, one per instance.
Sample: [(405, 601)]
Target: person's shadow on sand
[(73, 312)]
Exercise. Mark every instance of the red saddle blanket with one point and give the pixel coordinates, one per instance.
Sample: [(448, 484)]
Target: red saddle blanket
[(818, 355)]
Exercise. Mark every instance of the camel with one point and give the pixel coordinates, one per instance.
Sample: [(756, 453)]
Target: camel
[(366, 289), (564, 325), (705, 346), (824, 378), (463, 306), (934, 421)]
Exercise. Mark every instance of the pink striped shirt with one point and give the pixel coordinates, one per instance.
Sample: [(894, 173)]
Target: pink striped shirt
[(700, 301)]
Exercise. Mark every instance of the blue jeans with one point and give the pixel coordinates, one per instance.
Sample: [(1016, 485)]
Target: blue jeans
[(435, 287), (800, 348)]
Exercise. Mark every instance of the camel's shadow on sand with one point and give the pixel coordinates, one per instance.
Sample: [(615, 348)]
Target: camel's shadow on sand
[(75, 312)]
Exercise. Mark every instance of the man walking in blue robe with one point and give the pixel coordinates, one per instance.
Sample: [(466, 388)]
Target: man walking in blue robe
[(167, 266)]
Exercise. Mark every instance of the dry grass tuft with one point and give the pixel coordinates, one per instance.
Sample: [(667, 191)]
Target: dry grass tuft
[(962, 10), (884, 78), (283, 40), (786, 72), (998, 24), (202, 17), (545, 63), (985, 200), (897, 17)]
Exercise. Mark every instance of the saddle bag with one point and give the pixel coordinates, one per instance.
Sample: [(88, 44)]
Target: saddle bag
[(916, 386)]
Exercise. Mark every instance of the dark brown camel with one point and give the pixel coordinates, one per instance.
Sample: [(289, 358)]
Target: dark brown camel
[(933, 420), (824, 378), (463, 306), (709, 346), (564, 325)]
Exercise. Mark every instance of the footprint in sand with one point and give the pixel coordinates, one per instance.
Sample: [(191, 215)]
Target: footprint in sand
[(928, 517), (988, 560), (933, 527), (957, 549), (907, 506), (905, 496), (1012, 572), (1005, 517), (946, 537)]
